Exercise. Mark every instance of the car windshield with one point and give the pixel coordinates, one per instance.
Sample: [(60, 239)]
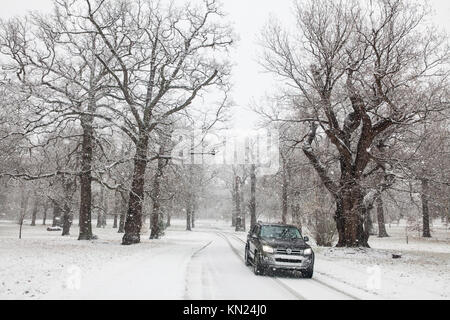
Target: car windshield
[(280, 232)]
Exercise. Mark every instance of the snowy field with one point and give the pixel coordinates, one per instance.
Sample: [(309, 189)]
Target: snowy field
[(423, 272), (208, 264)]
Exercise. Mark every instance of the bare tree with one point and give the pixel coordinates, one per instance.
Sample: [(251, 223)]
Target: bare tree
[(356, 72), (162, 53), (65, 76)]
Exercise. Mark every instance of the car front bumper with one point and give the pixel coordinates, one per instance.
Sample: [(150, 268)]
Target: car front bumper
[(287, 262)]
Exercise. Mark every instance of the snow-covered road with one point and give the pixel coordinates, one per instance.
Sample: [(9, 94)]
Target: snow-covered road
[(219, 272)]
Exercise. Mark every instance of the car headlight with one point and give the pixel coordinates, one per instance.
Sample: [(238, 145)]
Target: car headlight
[(267, 249), (307, 252)]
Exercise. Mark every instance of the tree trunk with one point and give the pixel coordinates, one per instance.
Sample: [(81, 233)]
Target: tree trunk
[(34, 212), (425, 209), (44, 217), (86, 182), (117, 208), (238, 204), (100, 210), (382, 233), (284, 198), (156, 194), (243, 207), (67, 220), (188, 218), (168, 220), (123, 212), (252, 203), (350, 218), (105, 205), (194, 210), (23, 211), (20, 227), (233, 211), (190, 200), (339, 219), (349, 223), (155, 231), (133, 221)]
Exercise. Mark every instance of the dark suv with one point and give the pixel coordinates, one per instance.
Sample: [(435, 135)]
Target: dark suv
[(278, 247)]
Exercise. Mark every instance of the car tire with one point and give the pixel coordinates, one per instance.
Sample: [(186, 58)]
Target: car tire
[(308, 273), (257, 264), (247, 257)]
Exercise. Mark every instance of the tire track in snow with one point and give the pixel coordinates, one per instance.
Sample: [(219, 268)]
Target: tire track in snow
[(193, 256), (277, 281)]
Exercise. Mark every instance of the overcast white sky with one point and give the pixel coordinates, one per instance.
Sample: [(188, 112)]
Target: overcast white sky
[(249, 16)]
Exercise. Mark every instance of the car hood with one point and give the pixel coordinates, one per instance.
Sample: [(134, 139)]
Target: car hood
[(285, 244)]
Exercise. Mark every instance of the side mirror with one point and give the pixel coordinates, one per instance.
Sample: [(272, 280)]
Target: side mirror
[(306, 239)]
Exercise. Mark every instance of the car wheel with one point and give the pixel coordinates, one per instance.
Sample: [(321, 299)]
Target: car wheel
[(257, 264), (308, 273), (247, 258)]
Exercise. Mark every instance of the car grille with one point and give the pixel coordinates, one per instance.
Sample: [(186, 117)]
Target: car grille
[(293, 253), (288, 260)]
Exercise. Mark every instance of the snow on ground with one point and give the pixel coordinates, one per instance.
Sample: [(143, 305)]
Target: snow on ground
[(208, 264), (411, 277), (422, 272), (45, 265)]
